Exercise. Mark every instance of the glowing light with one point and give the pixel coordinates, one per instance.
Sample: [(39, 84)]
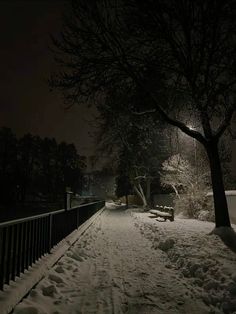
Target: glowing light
[(191, 127)]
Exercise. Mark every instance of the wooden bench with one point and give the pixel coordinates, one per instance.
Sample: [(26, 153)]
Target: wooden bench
[(165, 212)]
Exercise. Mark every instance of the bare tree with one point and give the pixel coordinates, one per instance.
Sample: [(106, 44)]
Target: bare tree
[(179, 53)]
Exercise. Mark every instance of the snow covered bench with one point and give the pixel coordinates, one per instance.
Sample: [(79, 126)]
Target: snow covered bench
[(165, 212)]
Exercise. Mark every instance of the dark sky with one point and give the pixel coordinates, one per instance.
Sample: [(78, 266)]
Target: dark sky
[(26, 104)]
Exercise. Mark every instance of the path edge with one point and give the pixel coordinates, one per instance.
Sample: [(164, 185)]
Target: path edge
[(19, 288)]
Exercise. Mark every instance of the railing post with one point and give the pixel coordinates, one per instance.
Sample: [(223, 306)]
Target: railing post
[(31, 239), (23, 244), (50, 233), (38, 239), (8, 254), (2, 258), (68, 196), (27, 244), (15, 251), (19, 250)]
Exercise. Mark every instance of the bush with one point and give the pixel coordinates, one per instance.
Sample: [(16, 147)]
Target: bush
[(190, 184), (195, 205), (206, 215)]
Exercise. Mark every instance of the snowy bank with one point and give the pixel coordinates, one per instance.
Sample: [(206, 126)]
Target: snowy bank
[(202, 258)]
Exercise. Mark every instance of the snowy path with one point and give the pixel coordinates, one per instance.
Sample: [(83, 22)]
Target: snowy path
[(112, 269)]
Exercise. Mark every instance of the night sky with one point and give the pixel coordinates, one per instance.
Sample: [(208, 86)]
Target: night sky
[(26, 103)]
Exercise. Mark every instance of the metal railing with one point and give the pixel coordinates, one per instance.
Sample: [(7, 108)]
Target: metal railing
[(24, 241)]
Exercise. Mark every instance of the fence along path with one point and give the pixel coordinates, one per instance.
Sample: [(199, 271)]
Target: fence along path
[(24, 241)]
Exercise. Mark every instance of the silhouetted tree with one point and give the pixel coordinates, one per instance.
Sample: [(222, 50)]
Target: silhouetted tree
[(28, 164), (48, 180), (8, 165), (180, 53), (70, 166), (123, 187), (32, 168)]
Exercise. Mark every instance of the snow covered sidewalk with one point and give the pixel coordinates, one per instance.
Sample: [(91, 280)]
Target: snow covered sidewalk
[(112, 269)]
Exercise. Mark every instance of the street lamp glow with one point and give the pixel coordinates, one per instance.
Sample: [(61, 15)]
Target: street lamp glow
[(191, 127)]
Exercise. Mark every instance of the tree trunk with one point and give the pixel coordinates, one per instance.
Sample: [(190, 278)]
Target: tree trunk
[(176, 191), (148, 191), (127, 201), (220, 203), (138, 189)]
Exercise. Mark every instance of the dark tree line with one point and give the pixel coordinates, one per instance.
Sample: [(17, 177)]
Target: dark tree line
[(34, 168)]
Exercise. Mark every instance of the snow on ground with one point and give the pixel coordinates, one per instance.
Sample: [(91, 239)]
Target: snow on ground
[(203, 259), (114, 268), (17, 289)]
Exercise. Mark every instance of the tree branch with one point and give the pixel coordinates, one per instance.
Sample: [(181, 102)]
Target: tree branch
[(228, 116)]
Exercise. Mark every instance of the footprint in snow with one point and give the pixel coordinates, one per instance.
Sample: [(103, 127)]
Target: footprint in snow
[(49, 291), (75, 256), (69, 260), (143, 274), (55, 278), (69, 267), (33, 293), (59, 270), (22, 309)]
